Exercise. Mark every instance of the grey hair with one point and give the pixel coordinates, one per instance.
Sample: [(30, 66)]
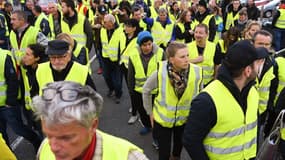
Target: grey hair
[(84, 109), (111, 18), (162, 10)]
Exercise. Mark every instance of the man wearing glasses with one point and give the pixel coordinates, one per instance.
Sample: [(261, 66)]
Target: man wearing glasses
[(60, 67), (69, 114)]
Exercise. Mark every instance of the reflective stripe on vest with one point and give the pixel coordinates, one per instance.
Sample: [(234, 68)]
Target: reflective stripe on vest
[(222, 46), (30, 37), (127, 51), (51, 24), (281, 75), (5, 24), (280, 23), (263, 89), (160, 34), (78, 73), (205, 21), (27, 86), (153, 13), (182, 29), (234, 134), (110, 48), (207, 64), (3, 85), (140, 75), (78, 49), (110, 151), (169, 111), (230, 20), (77, 30), (218, 20), (39, 20)]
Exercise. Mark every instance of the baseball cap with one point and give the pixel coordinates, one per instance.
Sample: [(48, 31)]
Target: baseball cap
[(57, 47), (242, 54)]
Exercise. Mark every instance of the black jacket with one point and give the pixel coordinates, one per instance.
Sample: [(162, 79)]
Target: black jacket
[(252, 12), (12, 82), (203, 115)]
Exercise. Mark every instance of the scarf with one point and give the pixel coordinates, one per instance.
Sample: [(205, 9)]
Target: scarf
[(91, 149), (178, 80)]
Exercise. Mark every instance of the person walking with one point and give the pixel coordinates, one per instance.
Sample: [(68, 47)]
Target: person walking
[(176, 82), (142, 63), (223, 117), (69, 115)]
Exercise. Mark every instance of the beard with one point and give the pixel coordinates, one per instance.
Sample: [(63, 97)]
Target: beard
[(252, 76), (66, 14), (59, 67)]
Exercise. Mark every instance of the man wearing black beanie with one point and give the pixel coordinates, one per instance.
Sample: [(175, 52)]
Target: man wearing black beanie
[(203, 16), (75, 24)]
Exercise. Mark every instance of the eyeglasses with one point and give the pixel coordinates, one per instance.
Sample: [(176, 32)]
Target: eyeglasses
[(67, 95), (52, 58)]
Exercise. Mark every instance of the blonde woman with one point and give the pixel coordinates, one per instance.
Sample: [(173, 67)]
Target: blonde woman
[(80, 52), (250, 28)]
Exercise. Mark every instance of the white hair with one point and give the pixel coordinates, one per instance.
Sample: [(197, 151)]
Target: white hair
[(84, 109)]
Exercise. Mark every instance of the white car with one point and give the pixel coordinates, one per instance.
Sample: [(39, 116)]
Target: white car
[(269, 8)]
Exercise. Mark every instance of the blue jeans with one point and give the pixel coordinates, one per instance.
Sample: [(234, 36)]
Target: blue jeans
[(113, 76), (279, 39), (12, 117)]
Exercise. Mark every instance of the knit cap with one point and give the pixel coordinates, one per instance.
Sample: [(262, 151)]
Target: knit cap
[(144, 36)]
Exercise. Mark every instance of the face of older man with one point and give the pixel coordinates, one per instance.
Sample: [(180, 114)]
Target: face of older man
[(68, 141), (16, 22), (59, 62)]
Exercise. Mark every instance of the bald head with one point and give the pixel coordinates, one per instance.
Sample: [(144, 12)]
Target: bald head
[(109, 21)]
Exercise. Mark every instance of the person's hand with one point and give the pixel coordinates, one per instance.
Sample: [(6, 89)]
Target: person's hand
[(151, 120), (97, 26), (2, 41), (191, 31)]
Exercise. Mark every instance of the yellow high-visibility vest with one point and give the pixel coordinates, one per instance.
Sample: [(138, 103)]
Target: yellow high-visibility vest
[(110, 47), (140, 75), (263, 89), (77, 31), (208, 63), (230, 20), (126, 51), (234, 135), (169, 111), (280, 23), (160, 34), (182, 29), (78, 73), (3, 85), (281, 75), (39, 20), (109, 145), (30, 37)]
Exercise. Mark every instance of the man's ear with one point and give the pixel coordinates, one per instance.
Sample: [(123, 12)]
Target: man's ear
[(94, 125), (247, 71)]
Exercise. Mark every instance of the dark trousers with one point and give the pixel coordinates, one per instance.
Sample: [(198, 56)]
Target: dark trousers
[(99, 56), (137, 103), (32, 122), (282, 148), (164, 137), (113, 76), (12, 117)]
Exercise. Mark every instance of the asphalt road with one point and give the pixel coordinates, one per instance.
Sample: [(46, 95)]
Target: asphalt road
[(113, 120)]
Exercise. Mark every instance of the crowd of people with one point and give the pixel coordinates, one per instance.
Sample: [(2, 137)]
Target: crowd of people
[(204, 75)]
